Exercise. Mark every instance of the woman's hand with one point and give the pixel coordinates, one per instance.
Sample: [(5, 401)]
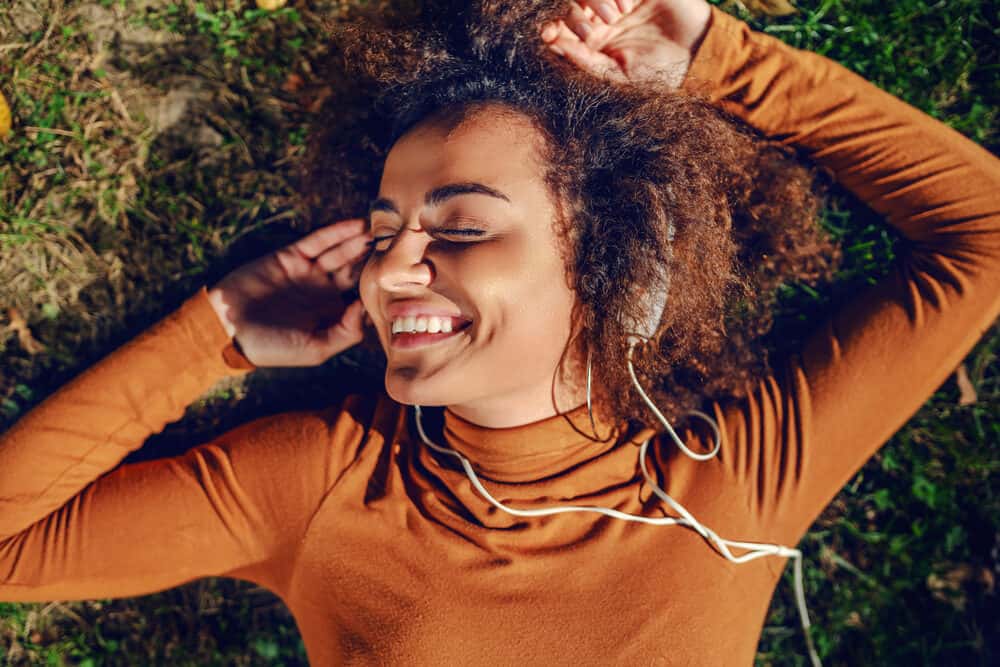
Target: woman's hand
[(286, 309), (631, 40)]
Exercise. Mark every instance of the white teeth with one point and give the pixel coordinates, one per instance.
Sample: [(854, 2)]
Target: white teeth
[(422, 324)]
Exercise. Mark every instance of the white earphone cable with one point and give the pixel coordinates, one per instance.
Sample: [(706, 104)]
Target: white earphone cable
[(757, 550)]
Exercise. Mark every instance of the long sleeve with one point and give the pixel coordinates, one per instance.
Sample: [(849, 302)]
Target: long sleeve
[(69, 529), (805, 430)]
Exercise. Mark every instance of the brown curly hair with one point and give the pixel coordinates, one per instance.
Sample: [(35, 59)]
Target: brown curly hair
[(623, 159)]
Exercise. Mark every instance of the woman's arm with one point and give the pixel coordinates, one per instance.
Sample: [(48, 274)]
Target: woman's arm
[(69, 529), (866, 370)]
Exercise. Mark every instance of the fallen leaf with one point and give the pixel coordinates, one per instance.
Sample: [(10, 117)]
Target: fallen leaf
[(17, 324), (948, 587), (966, 390), (986, 579), (292, 83), (314, 102), (4, 117), (826, 561), (853, 620)]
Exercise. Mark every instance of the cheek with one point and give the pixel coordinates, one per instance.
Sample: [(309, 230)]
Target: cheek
[(368, 292), (528, 303), (529, 340), (366, 286)]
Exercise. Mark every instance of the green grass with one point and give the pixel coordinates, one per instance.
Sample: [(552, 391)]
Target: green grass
[(106, 223)]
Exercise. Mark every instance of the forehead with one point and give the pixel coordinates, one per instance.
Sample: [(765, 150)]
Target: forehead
[(489, 146)]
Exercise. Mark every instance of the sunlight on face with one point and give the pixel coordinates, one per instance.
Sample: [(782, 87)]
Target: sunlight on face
[(504, 272)]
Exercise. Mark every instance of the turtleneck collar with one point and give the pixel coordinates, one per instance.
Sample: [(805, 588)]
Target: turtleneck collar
[(532, 451)]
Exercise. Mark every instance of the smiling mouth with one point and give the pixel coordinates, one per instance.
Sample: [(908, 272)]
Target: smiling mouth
[(407, 340)]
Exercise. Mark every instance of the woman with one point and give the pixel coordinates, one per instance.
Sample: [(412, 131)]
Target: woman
[(544, 224)]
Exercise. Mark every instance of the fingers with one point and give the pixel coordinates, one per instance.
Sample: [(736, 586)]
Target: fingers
[(559, 35), (320, 257), (346, 277), (341, 260), (320, 240), (608, 10), (582, 20), (580, 36), (587, 16), (567, 43)]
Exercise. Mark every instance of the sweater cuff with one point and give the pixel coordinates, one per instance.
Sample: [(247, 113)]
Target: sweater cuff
[(211, 335), (754, 76), (724, 39)]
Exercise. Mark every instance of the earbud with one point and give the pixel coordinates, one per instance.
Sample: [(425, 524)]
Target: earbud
[(655, 296)]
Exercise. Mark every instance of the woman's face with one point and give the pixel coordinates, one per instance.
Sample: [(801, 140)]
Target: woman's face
[(466, 228)]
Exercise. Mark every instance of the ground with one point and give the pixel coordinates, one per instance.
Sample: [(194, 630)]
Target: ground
[(152, 150)]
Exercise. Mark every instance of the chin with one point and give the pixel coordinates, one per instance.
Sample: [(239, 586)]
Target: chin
[(415, 391)]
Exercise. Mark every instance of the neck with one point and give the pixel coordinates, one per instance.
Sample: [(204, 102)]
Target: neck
[(524, 407), (566, 391)]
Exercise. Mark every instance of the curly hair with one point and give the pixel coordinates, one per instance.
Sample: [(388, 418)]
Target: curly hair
[(622, 160)]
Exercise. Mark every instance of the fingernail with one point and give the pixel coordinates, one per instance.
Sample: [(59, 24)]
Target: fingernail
[(607, 12), (557, 49), (586, 29), (549, 33)]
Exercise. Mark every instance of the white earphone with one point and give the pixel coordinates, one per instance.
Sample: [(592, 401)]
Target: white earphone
[(655, 301)]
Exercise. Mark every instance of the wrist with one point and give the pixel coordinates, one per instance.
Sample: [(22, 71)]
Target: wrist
[(711, 56), (219, 304), (702, 17)]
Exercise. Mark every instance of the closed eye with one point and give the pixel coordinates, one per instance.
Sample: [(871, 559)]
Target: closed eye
[(445, 232), (463, 232)]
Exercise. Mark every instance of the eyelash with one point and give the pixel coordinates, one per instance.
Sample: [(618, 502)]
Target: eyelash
[(459, 232)]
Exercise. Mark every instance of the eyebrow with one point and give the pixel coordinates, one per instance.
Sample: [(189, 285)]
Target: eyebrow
[(438, 195)]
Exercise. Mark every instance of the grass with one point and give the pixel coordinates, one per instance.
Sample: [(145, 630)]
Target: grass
[(153, 151)]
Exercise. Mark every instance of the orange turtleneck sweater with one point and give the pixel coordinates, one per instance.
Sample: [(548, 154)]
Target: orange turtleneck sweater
[(382, 549)]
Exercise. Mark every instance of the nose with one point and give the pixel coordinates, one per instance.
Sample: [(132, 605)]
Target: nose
[(404, 264)]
